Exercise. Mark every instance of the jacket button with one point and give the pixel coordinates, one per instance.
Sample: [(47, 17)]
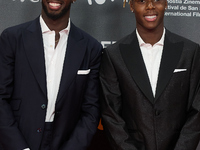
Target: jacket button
[(157, 113), (39, 130), (57, 112), (43, 106)]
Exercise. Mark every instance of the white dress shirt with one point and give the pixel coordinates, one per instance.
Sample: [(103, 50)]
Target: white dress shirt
[(54, 59), (152, 58)]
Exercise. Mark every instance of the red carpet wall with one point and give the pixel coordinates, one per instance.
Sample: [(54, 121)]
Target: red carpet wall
[(107, 21)]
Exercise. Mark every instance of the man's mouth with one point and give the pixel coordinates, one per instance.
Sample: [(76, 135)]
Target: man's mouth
[(54, 6), (151, 18)]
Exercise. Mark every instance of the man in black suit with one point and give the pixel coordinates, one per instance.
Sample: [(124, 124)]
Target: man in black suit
[(150, 81), (49, 85)]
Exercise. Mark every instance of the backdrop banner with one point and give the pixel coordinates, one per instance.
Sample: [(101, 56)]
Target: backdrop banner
[(107, 21)]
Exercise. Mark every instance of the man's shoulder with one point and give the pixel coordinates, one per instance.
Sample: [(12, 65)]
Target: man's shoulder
[(173, 37), (84, 34), (123, 41), (18, 29)]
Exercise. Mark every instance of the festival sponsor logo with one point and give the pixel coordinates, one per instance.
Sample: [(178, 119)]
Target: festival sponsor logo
[(175, 8), (90, 2), (183, 8), (100, 2), (107, 43)]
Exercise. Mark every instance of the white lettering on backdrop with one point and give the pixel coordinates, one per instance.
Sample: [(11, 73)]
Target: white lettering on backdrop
[(90, 2)]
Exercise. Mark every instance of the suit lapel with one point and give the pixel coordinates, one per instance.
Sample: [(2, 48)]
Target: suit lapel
[(34, 50), (170, 58), (133, 59), (76, 48), (35, 53)]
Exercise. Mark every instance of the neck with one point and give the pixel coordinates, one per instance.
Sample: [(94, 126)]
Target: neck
[(58, 24), (151, 36)]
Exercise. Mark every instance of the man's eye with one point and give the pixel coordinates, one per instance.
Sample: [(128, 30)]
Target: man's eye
[(140, 1)]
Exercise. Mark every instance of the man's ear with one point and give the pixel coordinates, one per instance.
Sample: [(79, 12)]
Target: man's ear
[(131, 5), (73, 1), (166, 4)]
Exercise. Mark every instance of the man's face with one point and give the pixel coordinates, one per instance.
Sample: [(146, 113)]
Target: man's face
[(149, 14), (56, 9)]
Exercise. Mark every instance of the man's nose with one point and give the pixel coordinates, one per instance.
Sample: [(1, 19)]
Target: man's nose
[(150, 4)]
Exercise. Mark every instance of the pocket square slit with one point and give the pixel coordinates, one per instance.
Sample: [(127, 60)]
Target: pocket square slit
[(179, 70), (83, 72)]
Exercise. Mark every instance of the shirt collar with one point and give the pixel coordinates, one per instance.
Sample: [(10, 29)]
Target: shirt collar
[(160, 42), (45, 28)]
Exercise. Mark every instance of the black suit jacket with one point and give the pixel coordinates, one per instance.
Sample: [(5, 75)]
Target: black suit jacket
[(136, 120), (23, 91)]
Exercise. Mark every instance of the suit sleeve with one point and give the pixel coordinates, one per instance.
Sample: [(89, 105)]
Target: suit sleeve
[(190, 133), (11, 138), (111, 104), (88, 122)]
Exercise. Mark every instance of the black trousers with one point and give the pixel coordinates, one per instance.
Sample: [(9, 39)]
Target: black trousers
[(47, 136)]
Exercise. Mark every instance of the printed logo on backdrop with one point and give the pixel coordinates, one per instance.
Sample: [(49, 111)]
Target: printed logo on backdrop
[(176, 8), (100, 2), (183, 8), (90, 2), (107, 43)]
